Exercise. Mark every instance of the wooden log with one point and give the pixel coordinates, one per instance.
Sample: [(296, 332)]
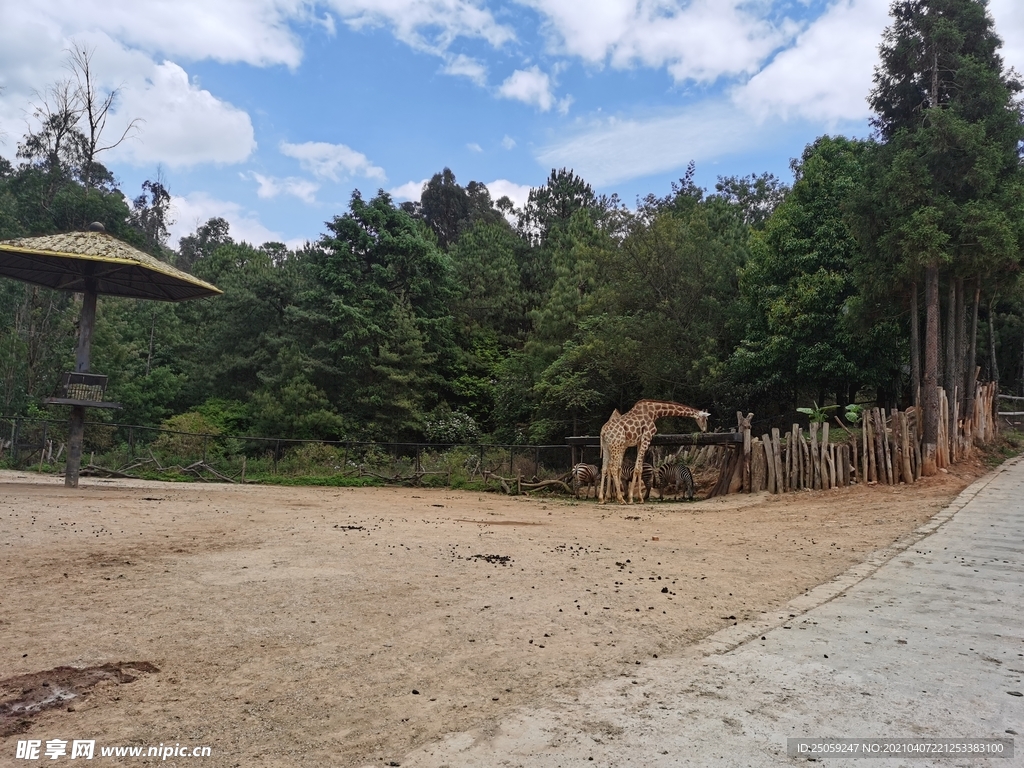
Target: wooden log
[(769, 449), (725, 470), (886, 451), (831, 458), (954, 438), (896, 436), (828, 467), (777, 462), (794, 458), (799, 448), (878, 425), (942, 450), (894, 446), (791, 453), (758, 465), (740, 465), (908, 471), (815, 460), (869, 449), (780, 479), (805, 456), (743, 423), (918, 463)]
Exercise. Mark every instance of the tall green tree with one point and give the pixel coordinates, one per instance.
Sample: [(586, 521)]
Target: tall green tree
[(444, 205), (946, 189), (806, 337), (377, 320)]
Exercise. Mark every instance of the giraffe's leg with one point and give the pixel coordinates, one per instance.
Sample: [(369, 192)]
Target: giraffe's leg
[(638, 468), (605, 459), (616, 473), (604, 467)]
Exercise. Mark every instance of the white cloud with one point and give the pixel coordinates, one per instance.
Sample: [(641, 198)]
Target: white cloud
[(827, 75), (256, 32), (530, 86), (474, 147), (517, 193), (271, 187), (427, 25), (336, 162), (183, 125), (615, 150), (411, 190), (193, 210), (508, 142), (463, 66), (1009, 18), (699, 40)]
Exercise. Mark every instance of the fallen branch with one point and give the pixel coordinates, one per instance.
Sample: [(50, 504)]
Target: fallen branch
[(154, 460), (415, 477), (92, 469), (531, 487)]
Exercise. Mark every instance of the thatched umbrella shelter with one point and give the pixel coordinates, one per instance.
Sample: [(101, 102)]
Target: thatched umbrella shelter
[(92, 263)]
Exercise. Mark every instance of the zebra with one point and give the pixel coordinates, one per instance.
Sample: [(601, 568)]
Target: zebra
[(677, 477), (585, 476), (646, 478)]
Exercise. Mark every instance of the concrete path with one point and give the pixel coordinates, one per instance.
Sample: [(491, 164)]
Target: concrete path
[(926, 640)]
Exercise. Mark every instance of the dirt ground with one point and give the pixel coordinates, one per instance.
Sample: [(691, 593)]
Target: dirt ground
[(313, 626)]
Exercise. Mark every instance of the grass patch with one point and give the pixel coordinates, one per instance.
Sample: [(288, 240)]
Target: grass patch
[(1008, 445)]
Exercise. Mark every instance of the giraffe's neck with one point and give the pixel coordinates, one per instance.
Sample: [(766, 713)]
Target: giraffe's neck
[(657, 409)]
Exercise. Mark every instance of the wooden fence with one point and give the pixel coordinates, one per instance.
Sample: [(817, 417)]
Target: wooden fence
[(887, 450)]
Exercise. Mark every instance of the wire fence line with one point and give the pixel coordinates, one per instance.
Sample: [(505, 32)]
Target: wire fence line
[(129, 450)]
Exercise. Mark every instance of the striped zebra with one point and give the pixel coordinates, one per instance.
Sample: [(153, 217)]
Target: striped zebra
[(585, 476), (677, 477), (646, 478)]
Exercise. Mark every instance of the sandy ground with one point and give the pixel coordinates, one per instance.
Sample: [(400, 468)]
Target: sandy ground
[(309, 626)]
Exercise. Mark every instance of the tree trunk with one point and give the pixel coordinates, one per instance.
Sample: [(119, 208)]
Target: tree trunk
[(970, 380), (930, 394), (961, 346), (993, 365), (949, 379), (915, 348)]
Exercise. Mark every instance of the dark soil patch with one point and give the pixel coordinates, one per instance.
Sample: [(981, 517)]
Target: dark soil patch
[(26, 695), (494, 559)]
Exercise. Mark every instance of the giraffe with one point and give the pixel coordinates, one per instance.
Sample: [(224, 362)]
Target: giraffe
[(636, 427)]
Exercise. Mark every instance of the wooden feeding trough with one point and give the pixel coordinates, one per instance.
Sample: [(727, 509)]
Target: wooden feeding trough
[(84, 389)]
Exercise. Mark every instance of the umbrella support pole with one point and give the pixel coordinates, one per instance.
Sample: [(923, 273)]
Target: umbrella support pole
[(76, 434), (76, 437)]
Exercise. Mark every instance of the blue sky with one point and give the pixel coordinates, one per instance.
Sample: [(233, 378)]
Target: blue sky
[(270, 112)]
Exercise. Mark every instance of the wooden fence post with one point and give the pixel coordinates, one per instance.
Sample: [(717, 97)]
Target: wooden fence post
[(798, 448), (744, 429), (780, 479), (769, 457)]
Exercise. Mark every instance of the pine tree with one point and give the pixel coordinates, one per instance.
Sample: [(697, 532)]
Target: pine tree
[(946, 186)]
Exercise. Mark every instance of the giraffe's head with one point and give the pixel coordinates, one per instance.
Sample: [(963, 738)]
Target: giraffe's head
[(702, 420)]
